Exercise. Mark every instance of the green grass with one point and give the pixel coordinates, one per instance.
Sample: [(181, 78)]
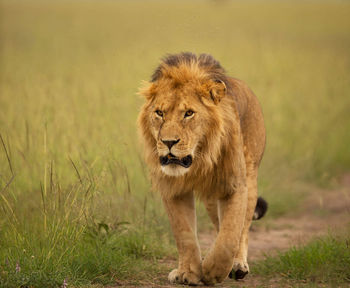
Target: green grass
[(70, 161), (324, 261), (91, 255)]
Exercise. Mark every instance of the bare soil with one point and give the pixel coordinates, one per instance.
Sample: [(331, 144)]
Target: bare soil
[(322, 211)]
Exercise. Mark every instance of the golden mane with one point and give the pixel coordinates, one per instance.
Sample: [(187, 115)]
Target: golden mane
[(184, 67), (176, 71)]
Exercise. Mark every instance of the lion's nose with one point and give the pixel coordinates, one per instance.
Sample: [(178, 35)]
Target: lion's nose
[(170, 143)]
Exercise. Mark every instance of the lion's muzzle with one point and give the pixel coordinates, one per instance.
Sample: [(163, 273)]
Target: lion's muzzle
[(171, 159)]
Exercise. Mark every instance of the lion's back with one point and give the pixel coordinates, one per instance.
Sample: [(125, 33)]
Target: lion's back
[(252, 122)]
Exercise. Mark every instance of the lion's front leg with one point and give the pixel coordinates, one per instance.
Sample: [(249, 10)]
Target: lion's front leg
[(219, 261), (182, 216)]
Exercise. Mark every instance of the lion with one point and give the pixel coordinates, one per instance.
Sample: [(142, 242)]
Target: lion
[(204, 136)]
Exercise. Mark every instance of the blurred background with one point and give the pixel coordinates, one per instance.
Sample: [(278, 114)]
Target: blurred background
[(75, 199)]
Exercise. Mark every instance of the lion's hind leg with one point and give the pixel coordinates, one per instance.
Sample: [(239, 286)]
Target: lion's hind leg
[(211, 204), (240, 264)]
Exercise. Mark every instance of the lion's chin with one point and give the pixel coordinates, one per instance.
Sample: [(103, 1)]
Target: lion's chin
[(174, 170)]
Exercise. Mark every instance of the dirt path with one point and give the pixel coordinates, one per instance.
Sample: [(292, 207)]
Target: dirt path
[(322, 211)]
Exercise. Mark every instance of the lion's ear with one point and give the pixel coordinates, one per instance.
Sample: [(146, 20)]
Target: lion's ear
[(148, 90), (217, 90)]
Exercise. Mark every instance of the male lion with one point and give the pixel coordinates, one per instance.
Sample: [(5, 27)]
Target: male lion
[(204, 135)]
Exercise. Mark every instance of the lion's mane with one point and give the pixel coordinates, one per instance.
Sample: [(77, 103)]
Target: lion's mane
[(214, 155)]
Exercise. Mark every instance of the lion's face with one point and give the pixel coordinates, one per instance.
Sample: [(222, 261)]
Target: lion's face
[(177, 126), (179, 120)]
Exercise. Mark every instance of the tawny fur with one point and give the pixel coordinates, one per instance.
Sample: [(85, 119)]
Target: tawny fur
[(226, 137)]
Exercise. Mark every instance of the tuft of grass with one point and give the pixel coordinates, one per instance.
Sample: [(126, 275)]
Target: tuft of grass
[(323, 261), (76, 254)]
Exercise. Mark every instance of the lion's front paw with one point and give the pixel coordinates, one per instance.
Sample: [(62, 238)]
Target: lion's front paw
[(240, 269), (174, 276), (184, 277), (215, 271)]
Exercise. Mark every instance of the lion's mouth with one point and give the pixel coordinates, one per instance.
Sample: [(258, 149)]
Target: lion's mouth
[(171, 159)]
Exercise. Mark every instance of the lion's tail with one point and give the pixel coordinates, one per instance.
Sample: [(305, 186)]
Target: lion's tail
[(260, 208)]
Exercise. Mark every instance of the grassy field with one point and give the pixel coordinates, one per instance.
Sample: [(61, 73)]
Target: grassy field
[(75, 201), (323, 262)]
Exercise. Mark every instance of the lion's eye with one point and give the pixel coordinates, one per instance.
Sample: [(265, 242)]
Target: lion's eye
[(189, 113), (159, 113)]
